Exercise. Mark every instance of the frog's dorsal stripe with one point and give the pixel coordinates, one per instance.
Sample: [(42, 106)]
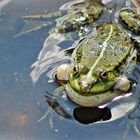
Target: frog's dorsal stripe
[(102, 52)]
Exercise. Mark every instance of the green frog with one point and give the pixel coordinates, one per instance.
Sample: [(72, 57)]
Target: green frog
[(130, 19), (81, 14), (99, 64)]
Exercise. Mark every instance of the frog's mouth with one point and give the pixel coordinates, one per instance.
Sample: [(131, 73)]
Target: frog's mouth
[(98, 94), (94, 89), (89, 101), (121, 84), (86, 88)]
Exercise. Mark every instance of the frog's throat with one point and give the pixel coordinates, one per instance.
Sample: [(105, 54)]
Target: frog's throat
[(102, 52)]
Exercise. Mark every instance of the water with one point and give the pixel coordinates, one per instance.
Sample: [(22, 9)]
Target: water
[(22, 103)]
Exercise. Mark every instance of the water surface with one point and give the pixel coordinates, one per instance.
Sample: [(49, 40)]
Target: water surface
[(22, 103)]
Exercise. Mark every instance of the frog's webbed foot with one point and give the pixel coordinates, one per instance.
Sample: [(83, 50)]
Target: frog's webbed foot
[(132, 122), (136, 42), (136, 4), (31, 25), (48, 114), (36, 22), (132, 125), (54, 106), (43, 16)]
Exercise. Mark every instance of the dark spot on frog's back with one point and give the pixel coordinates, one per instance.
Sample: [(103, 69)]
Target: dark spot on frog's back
[(117, 34), (122, 50)]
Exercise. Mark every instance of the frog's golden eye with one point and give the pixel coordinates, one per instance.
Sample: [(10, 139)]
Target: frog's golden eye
[(74, 69), (75, 72), (103, 74), (77, 68)]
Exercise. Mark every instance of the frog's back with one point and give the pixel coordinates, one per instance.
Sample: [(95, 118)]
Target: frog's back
[(108, 47)]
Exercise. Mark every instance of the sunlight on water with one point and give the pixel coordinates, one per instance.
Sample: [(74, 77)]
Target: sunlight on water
[(50, 55), (4, 3)]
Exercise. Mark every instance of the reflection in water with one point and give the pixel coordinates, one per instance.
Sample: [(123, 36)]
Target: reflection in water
[(50, 56), (4, 3)]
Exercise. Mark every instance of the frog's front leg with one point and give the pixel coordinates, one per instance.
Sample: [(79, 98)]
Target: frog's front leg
[(43, 16), (136, 42), (136, 4), (36, 22), (130, 19), (54, 106), (62, 76), (132, 121), (69, 51)]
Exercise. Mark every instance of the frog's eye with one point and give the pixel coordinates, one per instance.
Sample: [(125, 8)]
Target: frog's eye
[(77, 68), (103, 74), (74, 69)]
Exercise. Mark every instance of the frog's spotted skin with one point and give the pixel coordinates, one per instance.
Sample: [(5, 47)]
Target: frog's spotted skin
[(131, 19), (81, 14), (108, 42), (107, 51)]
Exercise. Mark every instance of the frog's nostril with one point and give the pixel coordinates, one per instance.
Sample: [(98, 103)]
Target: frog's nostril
[(85, 85)]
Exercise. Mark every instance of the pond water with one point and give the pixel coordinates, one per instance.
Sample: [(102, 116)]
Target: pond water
[(22, 101)]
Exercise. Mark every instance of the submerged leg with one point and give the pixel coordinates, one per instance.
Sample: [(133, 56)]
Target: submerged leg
[(43, 16), (54, 105)]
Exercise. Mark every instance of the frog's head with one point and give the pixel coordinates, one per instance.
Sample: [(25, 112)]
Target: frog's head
[(96, 80), (91, 87)]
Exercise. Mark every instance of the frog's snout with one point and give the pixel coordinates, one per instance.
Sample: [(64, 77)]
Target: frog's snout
[(122, 84), (87, 84), (85, 87)]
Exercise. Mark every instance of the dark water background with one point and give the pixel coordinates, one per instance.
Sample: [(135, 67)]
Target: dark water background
[(21, 103)]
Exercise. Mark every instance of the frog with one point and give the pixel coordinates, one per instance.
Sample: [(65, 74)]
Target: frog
[(130, 19), (96, 74), (80, 15), (77, 15)]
